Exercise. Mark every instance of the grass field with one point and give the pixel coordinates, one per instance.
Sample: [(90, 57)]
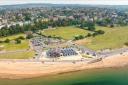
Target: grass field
[(12, 46), (113, 38), (12, 37), (66, 33), (18, 55)]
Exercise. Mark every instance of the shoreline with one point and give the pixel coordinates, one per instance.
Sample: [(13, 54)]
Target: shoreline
[(23, 70), (30, 76)]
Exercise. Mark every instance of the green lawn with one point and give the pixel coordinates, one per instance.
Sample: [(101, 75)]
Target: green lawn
[(113, 38), (66, 33), (18, 55), (12, 46), (12, 37)]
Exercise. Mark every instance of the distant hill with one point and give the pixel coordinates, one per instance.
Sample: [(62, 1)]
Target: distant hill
[(21, 6)]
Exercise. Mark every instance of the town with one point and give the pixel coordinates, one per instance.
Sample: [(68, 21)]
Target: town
[(77, 15), (31, 31), (63, 44)]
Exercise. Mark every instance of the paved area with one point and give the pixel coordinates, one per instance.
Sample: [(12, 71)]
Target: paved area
[(39, 43)]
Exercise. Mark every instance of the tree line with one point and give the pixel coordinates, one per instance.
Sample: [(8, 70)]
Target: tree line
[(95, 33), (40, 25)]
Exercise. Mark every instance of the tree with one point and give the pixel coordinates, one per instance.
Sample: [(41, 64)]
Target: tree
[(18, 41), (27, 17), (91, 26), (1, 41), (21, 37), (100, 32), (111, 25), (126, 43), (78, 37), (81, 36), (83, 24), (29, 36), (94, 34), (7, 41), (89, 35), (105, 22)]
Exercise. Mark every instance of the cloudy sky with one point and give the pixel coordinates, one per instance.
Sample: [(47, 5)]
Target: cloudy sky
[(105, 2)]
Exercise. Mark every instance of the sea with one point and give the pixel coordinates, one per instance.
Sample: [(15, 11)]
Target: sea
[(106, 76)]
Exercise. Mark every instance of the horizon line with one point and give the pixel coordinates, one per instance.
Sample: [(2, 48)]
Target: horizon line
[(66, 4)]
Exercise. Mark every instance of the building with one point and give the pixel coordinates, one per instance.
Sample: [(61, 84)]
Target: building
[(58, 52)]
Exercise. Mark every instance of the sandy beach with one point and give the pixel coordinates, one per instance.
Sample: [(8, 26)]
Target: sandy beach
[(19, 70)]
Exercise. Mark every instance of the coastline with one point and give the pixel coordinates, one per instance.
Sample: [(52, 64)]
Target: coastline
[(21, 70)]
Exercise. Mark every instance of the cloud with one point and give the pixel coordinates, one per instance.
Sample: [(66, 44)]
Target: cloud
[(105, 2)]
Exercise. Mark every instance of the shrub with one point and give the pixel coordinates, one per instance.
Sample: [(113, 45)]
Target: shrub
[(78, 37), (126, 43), (100, 32), (94, 34), (29, 36), (89, 35), (21, 37), (1, 41), (81, 36), (7, 41), (49, 36), (18, 41)]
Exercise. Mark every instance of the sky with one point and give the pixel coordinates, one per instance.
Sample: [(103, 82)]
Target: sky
[(102, 2)]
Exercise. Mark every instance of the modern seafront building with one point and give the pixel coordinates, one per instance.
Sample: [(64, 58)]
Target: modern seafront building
[(58, 52)]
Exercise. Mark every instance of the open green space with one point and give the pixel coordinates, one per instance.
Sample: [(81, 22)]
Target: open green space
[(113, 38), (66, 33), (11, 46), (12, 37), (17, 55)]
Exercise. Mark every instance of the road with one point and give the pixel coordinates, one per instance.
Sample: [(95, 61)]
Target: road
[(112, 52)]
